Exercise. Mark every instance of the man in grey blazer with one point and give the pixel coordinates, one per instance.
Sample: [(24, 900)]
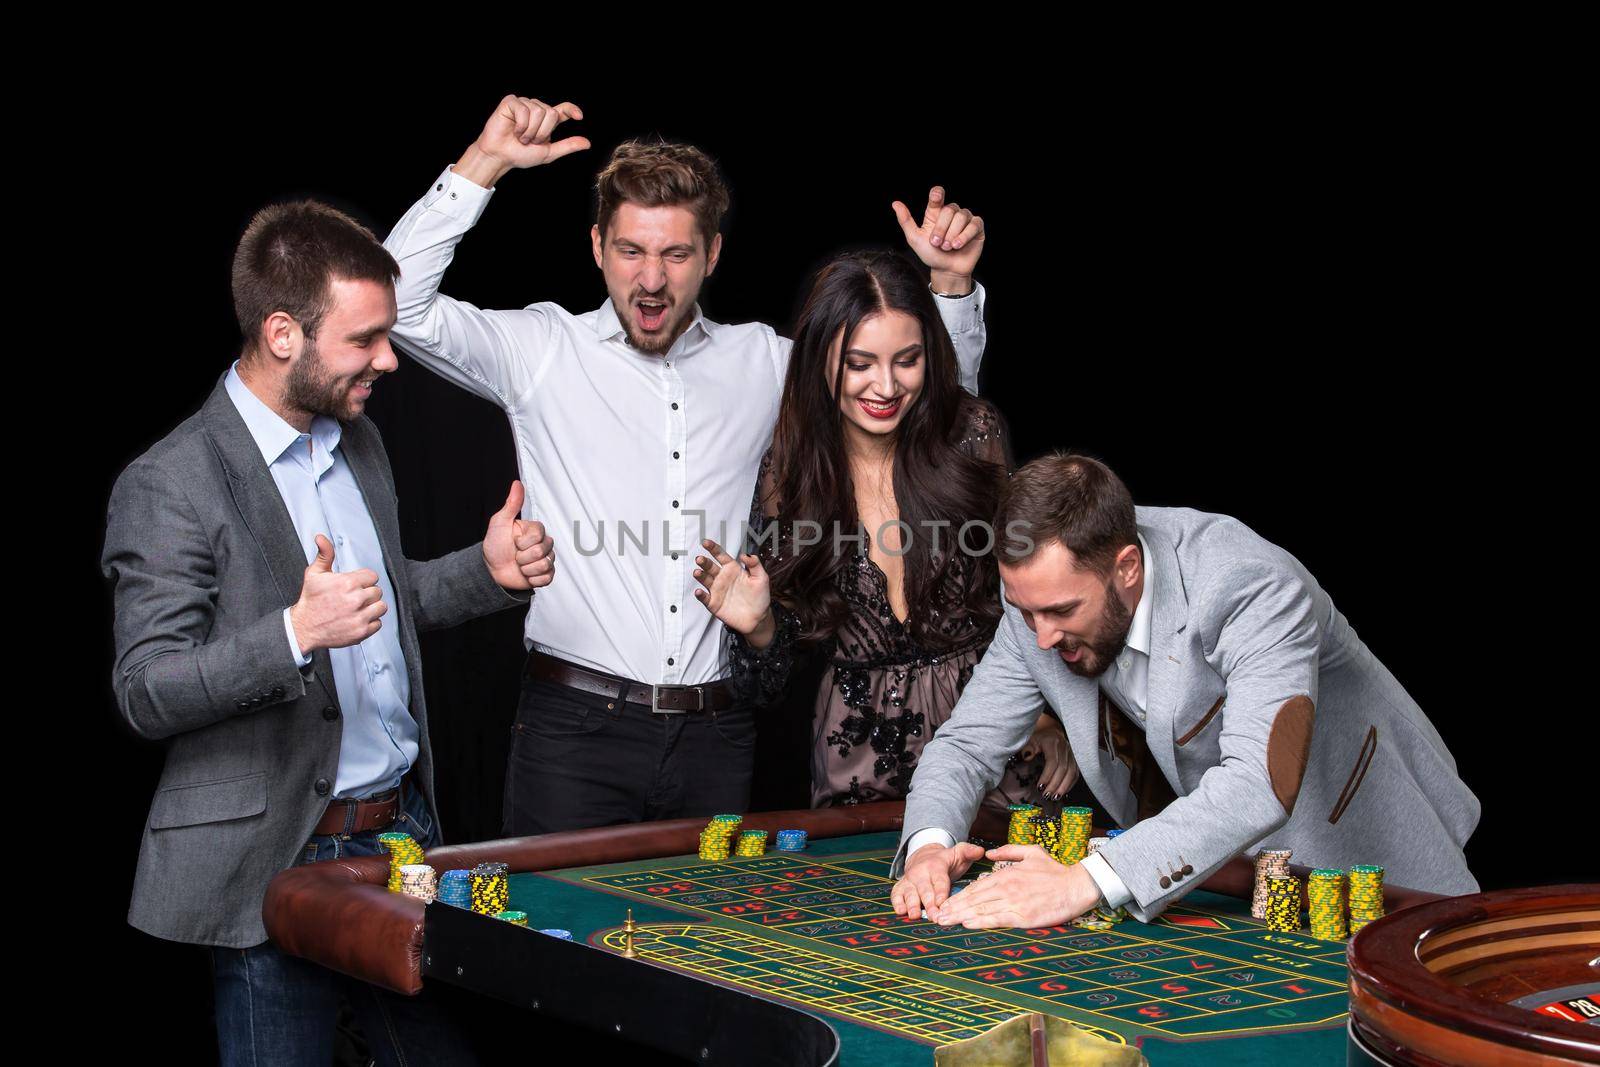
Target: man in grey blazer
[(266, 627), (1184, 638)]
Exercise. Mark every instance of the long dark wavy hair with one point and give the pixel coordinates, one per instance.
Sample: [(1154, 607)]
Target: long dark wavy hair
[(933, 479)]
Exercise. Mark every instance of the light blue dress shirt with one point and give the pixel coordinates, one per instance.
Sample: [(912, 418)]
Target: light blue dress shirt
[(380, 740)]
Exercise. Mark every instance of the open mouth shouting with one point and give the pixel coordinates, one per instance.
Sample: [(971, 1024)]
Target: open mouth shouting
[(651, 313), (880, 409)]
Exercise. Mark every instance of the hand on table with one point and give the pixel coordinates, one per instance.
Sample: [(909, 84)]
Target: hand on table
[(929, 871), (1034, 890)]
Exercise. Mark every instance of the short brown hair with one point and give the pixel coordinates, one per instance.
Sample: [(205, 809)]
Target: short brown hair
[(661, 174), (287, 257), (1069, 498)]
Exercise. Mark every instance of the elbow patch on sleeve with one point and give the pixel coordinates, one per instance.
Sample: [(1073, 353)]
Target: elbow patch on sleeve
[(1288, 749)]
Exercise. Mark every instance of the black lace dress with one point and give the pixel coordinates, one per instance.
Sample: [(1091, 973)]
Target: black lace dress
[(884, 694)]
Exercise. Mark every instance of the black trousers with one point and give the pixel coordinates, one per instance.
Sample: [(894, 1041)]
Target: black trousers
[(579, 760)]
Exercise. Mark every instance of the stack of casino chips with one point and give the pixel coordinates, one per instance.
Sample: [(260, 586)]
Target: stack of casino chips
[(1270, 863), (1283, 904), (1046, 833), (1366, 896), (515, 918), (1020, 832), (718, 835), (455, 888), (751, 843), (791, 840), (564, 935), (491, 892), (402, 849), (421, 881), (1074, 842), (1325, 897)]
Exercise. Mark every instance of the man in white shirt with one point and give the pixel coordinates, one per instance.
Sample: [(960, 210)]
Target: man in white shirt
[(639, 427)]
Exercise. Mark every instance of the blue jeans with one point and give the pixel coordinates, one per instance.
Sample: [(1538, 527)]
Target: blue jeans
[(273, 1008)]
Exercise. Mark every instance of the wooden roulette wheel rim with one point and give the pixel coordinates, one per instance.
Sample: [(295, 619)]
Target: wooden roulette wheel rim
[(1432, 984)]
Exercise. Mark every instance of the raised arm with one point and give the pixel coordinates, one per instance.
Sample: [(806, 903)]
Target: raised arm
[(949, 241), (495, 354)]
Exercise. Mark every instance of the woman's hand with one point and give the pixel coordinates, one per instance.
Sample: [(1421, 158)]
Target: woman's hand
[(737, 592), (1060, 769)]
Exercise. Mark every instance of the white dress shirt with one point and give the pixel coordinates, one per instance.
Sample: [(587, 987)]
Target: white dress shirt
[(379, 739), (1127, 682), (668, 445)]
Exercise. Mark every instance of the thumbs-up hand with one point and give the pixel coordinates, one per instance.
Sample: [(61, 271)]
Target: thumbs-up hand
[(335, 609), (949, 240), (518, 552)]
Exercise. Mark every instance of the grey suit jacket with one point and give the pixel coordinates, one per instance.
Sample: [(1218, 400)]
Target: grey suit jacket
[(203, 558), (1273, 723)]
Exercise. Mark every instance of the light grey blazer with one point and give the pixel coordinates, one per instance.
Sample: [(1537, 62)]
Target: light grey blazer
[(203, 558), (1273, 723)]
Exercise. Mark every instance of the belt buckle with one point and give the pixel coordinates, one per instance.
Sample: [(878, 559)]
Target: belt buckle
[(655, 702), (655, 699)]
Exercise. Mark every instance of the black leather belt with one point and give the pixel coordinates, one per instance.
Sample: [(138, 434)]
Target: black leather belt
[(660, 699)]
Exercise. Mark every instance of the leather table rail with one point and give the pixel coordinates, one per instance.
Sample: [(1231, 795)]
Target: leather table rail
[(339, 913)]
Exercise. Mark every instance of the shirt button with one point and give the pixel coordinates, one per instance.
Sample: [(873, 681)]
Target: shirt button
[(674, 455), (323, 787), (330, 713), (674, 555), (338, 539), (670, 661), (674, 503), (673, 609), (1165, 883), (1125, 663), (674, 405), (439, 188)]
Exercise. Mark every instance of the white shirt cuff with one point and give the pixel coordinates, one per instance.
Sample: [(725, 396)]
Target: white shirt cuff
[(928, 835), (456, 197), (961, 314), (294, 642), (1112, 888)]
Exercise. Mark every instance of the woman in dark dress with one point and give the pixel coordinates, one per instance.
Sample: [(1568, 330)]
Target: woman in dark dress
[(879, 462)]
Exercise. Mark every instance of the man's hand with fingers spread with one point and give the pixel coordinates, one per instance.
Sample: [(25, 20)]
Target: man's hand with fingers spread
[(335, 609), (1033, 890), (516, 136), (929, 872)]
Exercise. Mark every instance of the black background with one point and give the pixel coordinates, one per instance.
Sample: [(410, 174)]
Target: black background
[(1284, 309)]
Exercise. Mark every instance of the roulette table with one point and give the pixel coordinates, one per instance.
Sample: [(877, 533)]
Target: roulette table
[(798, 958)]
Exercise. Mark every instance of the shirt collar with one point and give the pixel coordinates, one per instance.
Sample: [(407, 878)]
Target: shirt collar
[(1139, 630), (608, 327), (272, 435)]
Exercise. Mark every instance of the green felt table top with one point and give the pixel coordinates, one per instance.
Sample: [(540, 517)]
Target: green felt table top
[(1205, 984)]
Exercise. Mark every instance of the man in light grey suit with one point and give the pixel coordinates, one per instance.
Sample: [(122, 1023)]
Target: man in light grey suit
[(1188, 639), (255, 557)]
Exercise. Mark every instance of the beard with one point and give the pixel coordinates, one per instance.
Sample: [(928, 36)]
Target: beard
[(656, 342), (310, 387), (1115, 622)]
